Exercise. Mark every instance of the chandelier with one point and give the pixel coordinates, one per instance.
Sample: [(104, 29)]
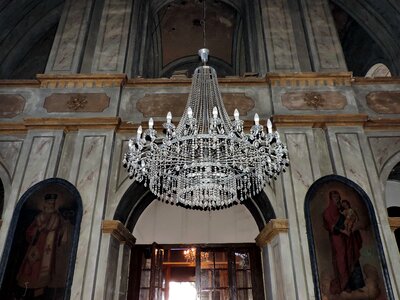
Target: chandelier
[(207, 161), (190, 255)]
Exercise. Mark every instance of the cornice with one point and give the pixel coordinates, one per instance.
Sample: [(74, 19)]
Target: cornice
[(55, 81), (394, 223), (65, 124), (375, 80), (272, 229), (275, 79), (310, 79), (280, 121), (119, 231), (320, 121)]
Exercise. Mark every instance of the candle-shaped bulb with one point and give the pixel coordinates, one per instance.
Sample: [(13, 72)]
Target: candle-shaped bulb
[(269, 126), (236, 114), (256, 119), (189, 112), (151, 123), (139, 132), (169, 117), (215, 112)]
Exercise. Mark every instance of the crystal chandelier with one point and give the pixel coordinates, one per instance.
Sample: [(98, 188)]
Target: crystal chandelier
[(207, 161)]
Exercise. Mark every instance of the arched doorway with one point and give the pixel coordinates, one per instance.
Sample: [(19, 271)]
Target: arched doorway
[(221, 243)]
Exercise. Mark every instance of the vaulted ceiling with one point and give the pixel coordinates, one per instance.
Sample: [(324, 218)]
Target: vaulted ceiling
[(369, 32)]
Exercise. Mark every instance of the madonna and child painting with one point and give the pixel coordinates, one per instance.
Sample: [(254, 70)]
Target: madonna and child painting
[(346, 254)]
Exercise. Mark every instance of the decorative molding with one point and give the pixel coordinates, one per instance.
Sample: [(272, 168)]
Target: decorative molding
[(119, 231), (158, 105), (11, 105), (320, 121), (25, 83), (301, 100), (76, 102), (179, 81), (375, 80), (384, 102), (81, 80), (310, 79), (272, 229), (394, 223)]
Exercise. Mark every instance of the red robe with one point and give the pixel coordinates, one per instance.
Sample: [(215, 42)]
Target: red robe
[(38, 264), (345, 249)]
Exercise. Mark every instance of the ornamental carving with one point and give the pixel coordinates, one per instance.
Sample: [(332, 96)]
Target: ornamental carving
[(76, 102), (314, 100)]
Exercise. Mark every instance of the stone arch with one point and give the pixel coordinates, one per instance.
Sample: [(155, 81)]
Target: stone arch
[(137, 197), (146, 60), (67, 218), (380, 27), (4, 189), (25, 25), (328, 243), (379, 70)]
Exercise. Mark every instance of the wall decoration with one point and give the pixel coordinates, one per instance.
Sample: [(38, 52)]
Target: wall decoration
[(158, 105), (384, 102), (40, 251), (301, 100), (346, 252), (11, 105), (76, 102)]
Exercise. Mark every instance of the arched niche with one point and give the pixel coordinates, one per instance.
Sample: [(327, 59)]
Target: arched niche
[(1, 199), (40, 250), (138, 197), (379, 70), (165, 37), (345, 246)]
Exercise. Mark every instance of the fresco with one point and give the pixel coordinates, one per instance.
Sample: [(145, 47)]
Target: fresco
[(45, 230), (345, 247)]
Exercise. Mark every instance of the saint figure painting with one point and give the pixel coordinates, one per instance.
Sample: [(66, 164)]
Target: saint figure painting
[(346, 252), (43, 244)]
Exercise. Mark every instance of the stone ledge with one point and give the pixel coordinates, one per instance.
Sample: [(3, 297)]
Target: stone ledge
[(272, 229), (394, 223), (119, 231)]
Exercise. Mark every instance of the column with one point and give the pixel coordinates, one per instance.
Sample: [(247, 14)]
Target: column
[(112, 41), (114, 257), (277, 260), (68, 46), (323, 41)]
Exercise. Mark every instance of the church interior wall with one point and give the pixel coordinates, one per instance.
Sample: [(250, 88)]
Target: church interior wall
[(75, 126)]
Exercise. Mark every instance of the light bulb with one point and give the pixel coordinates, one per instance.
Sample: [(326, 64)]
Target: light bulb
[(151, 123), (189, 112), (269, 126), (139, 132), (256, 119), (169, 117), (236, 114), (215, 112)]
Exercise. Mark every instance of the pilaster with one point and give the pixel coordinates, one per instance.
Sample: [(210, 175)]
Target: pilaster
[(114, 257), (111, 47), (277, 260), (323, 41), (279, 36), (68, 46)]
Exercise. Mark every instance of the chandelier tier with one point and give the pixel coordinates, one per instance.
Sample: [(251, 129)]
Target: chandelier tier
[(207, 161)]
